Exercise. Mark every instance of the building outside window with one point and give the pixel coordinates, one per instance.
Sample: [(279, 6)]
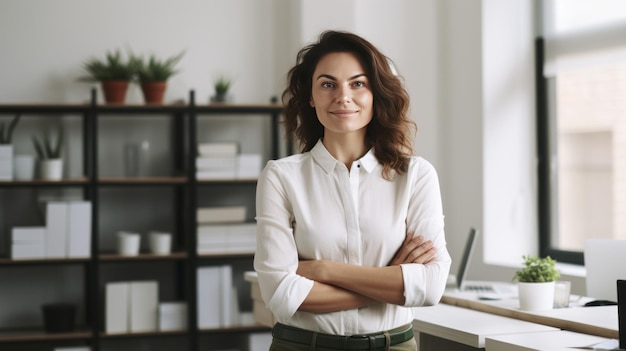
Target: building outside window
[(581, 125)]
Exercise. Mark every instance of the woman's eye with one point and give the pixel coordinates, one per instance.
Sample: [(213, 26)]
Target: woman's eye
[(358, 84), (327, 85)]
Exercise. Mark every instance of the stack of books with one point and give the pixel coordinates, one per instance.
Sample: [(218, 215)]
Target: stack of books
[(223, 161), (67, 233), (218, 304), (28, 243), (133, 307), (172, 316), (222, 229), (217, 160)]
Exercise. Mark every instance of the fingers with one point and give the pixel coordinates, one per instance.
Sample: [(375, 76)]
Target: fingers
[(409, 244), (414, 250)]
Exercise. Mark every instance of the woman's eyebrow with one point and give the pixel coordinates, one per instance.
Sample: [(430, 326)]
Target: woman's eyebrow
[(328, 76)]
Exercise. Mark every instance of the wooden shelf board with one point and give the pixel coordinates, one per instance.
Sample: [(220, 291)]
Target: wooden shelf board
[(41, 335), (225, 255), (227, 180), (10, 261), (142, 334), (236, 328), (142, 256), (35, 182), (142, 180)]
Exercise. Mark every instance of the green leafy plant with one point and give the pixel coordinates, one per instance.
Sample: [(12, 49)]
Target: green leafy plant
[(537, 270), (113, 67), (222, 85), (6, 131), (46, 149), (154, 69)]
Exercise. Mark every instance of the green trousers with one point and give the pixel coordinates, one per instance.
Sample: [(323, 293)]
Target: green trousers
[(282, 345)]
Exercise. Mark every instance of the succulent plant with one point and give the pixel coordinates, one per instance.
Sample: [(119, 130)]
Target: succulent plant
[(45, 149), (154, 69), (6, 131)]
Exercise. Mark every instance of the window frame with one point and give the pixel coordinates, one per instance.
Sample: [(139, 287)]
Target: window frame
[(546, 203)]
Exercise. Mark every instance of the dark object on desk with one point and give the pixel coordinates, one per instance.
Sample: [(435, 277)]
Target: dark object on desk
[(621, 312), (600, 303)]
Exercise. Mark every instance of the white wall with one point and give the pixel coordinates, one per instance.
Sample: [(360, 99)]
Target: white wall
[(44, 45)]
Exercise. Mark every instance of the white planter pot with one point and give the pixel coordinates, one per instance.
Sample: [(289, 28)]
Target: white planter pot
[(128, 243), (52, 169), (6, 162), (536, 296), (24, 167)]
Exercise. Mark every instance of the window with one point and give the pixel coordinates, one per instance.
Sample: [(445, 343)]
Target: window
[(581, 125)]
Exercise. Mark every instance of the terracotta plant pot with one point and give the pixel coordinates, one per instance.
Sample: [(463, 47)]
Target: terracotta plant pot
[(153, 92), (114, 91)]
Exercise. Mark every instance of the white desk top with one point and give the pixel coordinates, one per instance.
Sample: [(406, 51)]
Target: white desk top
[(600, 321), (542, 341), (467, 326)]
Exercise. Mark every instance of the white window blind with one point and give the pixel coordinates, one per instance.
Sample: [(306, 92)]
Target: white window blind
[(591, 33)]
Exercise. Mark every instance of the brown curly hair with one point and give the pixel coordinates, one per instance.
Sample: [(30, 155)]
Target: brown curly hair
[(391, 130)]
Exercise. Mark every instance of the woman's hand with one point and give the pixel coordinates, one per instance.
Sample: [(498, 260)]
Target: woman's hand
[(414, 250), (312, 269)]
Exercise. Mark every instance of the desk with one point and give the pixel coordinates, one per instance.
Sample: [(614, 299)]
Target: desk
[(599, 321), (542, 341), (446, 327)]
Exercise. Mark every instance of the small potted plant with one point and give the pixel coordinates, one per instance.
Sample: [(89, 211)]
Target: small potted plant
[(49, 154), (6, 148), (536, 283), (222, 85), (152, 75), (114, 74)]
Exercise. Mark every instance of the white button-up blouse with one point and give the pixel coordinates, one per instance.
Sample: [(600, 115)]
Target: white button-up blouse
[(310, 206)]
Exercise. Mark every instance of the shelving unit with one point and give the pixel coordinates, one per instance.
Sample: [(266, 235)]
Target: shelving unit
[(176, 188)]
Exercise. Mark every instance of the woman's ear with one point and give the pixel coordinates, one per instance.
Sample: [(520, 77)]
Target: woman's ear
[(311, 102)]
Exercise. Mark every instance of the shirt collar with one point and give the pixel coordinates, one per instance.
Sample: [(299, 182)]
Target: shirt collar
[(328, 162)]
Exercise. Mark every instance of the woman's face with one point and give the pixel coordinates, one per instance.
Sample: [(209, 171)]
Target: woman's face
[(341, 94)]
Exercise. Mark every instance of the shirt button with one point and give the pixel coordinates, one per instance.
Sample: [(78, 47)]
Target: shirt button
[(358, 166)]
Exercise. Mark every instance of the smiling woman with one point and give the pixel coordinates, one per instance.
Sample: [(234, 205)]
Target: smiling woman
[(352, 256)]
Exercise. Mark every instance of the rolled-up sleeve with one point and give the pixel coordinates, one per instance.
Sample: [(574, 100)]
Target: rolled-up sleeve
[(425, 284), (276, 257)]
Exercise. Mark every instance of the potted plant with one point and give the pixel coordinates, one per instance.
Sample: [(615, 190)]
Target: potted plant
[(536, 283), (114, 73), (49, 154), (6, 148), (222, 85), (152, 75)]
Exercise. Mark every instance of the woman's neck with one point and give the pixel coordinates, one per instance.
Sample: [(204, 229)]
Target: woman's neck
[(346, 148)]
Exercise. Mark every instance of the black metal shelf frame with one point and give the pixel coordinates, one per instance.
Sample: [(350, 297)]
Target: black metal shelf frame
[(184, 141)]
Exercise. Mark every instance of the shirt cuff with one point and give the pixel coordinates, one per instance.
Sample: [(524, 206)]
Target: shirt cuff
[(284, 305)]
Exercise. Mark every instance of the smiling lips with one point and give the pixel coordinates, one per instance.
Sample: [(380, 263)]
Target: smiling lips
[(344, 113)]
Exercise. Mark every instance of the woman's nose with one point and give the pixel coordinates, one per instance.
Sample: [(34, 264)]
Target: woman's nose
[(343, 95)]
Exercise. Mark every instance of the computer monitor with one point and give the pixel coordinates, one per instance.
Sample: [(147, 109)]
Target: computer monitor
[(605, 262)]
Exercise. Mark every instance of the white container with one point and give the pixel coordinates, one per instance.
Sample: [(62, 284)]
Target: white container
[(24, 167), (536, 296), (6, 162), (52, 169), (128, 243), (160, 243)]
